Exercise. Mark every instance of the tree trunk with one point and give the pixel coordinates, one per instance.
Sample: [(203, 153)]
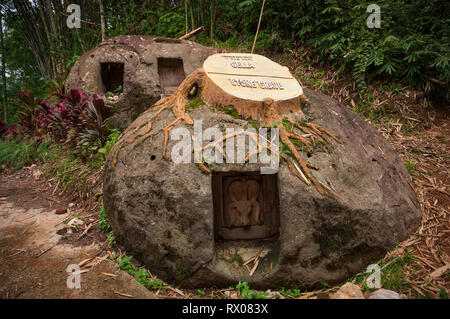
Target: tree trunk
[(192, 16), (211, 28), (5, 102), (102, 20), (27, 13), (202, 12), (54, 31), (186, 13), (40, 6)]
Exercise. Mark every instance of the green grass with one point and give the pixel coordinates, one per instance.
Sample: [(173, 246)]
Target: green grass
[(201, 292), (410, 166), (194, 103), (231, 111), (67, 172), (105, 227), (245, 292), (18, 154), (393, 277), (141, 275), (292, 292), (314, 80), (112, 238), (103, 223)]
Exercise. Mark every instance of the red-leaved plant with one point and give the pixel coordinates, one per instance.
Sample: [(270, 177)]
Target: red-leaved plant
[(75, 119)]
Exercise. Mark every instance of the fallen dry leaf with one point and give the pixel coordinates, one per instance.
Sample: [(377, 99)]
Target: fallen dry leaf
[(439, 272)]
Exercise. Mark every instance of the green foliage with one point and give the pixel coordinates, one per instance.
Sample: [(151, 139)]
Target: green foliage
[(112, 238), (145, 17), (292, 292), (105, 227), (64, 171), (125, 264), (325, 284), (412, 45), (409, 45), (411, 168), (194, 103), (113, 257), (19, 154), (231, 111), (110, 141), (72, 61), (393, 277), (100, 153), (141, 275), (245, 292), (73, 119), (201, 292), (103, 223), (288, 125), (170, 24)]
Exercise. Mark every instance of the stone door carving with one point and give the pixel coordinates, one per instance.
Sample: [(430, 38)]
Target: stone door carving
[(242, 202), (245, 205)]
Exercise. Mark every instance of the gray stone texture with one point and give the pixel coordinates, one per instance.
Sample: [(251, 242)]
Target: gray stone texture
[(141, 84), (163, 212)]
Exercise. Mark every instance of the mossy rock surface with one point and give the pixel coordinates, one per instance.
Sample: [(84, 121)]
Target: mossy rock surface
[(163, 212)]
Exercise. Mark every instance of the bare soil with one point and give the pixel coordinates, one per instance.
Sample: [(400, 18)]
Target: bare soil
[(34, 258)]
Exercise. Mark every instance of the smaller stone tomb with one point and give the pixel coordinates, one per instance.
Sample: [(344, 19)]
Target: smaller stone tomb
[(246, 205), (138, 69)]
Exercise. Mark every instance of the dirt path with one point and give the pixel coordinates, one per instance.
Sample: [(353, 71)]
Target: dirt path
[(34, 259)]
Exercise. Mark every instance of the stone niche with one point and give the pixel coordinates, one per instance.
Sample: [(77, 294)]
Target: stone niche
[(196, 224), (246, 205), (138, 69), (111, 76), (171, 74)]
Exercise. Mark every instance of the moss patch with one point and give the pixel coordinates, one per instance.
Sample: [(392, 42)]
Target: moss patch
[(334, 237), (194, 103), (231, 111), (182, 271)]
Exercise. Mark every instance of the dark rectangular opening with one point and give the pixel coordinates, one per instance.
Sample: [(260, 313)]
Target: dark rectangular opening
[(246, 205), (171, 73), (112, 77)]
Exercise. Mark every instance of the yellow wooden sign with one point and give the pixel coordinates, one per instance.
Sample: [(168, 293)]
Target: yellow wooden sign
[(251, 77)]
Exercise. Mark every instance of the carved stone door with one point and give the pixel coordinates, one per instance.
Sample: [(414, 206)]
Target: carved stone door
[(246, 205), (171, 74)]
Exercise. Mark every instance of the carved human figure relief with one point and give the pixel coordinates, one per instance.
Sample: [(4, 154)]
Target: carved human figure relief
[(245, 209)]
